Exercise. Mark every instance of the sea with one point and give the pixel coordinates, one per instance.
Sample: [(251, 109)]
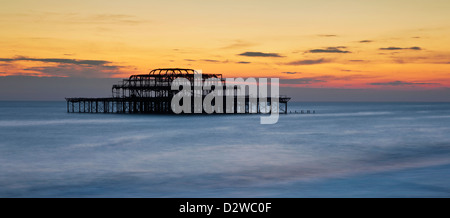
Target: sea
[(349, 150)]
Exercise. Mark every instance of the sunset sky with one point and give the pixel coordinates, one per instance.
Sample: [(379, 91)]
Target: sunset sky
[(382, 44)]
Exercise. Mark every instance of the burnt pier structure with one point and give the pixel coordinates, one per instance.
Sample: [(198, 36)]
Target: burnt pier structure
[(152, 93)]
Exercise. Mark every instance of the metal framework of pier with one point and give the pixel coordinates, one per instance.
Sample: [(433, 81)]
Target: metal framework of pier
[(152, 93)]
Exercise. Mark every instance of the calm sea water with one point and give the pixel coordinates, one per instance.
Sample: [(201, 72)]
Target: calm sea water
[(344, 150)]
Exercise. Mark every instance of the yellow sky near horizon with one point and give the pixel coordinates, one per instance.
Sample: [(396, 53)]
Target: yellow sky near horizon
[(344, 44)]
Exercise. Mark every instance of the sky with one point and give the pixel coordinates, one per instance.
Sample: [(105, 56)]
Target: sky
[(382, 46)]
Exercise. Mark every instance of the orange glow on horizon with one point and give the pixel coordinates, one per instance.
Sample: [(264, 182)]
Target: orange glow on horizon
[(343, 45)]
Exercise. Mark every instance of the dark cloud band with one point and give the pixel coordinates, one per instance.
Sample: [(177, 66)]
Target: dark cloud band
[(260, 54), (330, 50), (58, 60), (399, 48)]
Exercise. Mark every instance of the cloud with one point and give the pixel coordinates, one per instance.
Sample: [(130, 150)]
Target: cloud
[(291, 72), (329, 50), (260, 54), (113, 18), (365, 41), (206, 60), (308, 62), (81, 19), (401, 83), (429, 59), (65, 67), (415, 48), (210, 60), (324, 79), (327, 35), (352, 77), (301, 81), (58, 60), (239, 44), (360, 76), (399, 48), (76, 71), (217, 61)]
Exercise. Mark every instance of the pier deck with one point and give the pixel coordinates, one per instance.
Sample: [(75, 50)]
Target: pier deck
[(158, 105)]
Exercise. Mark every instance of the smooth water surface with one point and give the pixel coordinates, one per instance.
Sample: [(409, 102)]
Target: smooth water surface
[(343, 150)]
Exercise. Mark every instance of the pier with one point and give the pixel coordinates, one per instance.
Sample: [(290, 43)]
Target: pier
[(152, 93)]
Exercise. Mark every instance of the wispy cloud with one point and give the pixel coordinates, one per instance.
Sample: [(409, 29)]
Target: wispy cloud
[(401, 83), (211, 60), (309, 62), (327, 35), (114, 18), (58, 60), (65, 67), (330, 50), (217, 61), (365, 41), (353, 77), (291, 72), (323, 79), (423, 58), (206, 60), (76, 71), (239, 44), (260, 54), (302, 81), (80, 18), (357, 60), (399, 48)]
